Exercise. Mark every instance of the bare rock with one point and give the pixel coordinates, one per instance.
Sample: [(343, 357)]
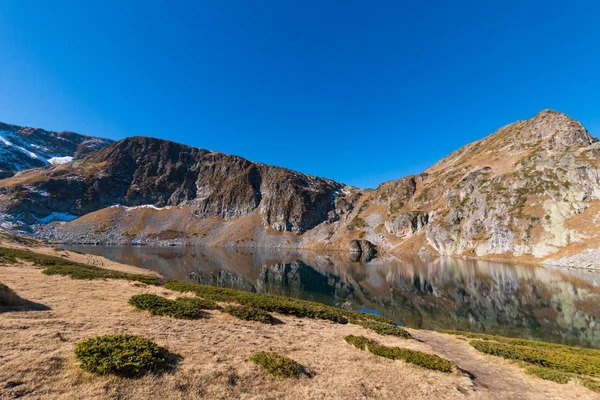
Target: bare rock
[(362, 250)]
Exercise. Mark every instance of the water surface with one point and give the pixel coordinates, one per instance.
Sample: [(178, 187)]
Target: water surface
[(515, 300)]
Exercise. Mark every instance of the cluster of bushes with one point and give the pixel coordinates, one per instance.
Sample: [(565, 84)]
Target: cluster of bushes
[(278, 365), (425, 360), (277, 304), (83, 271), (181, 308), (123, 355), (550, 361), (59, 266), (249, 314), (551, 358), (383, 329)]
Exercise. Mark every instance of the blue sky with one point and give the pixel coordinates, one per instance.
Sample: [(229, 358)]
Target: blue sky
[(360, 92)]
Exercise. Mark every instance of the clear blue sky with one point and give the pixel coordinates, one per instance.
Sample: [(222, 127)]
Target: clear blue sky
[(357, 91)]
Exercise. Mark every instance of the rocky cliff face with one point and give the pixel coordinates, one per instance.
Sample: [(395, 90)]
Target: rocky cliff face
[(529, 191), (159, 174), (23, 148)]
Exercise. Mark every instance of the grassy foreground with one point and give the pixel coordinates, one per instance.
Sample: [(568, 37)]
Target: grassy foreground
[(553, 362)]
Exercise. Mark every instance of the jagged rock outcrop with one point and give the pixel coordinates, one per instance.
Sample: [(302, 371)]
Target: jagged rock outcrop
[(22, 148), (407, 223)]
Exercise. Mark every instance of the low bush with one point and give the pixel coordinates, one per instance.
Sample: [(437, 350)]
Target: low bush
[(249, 314), (278, 365), (202, 304), (83, 271), (589, 383), (549, 374), (273, 303), (360, 342), (157, 305), (384, 329), (122, 355), (425, 360), (557, 359)]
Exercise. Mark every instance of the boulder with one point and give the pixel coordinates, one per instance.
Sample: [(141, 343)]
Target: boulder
[(362, 250)]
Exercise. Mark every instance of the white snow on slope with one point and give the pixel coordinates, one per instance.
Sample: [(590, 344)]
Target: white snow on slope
[(6, 142), (60, 160), (29, 153), (152, 206)]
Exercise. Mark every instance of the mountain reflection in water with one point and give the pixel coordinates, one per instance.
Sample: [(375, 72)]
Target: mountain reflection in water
[(525, 301)]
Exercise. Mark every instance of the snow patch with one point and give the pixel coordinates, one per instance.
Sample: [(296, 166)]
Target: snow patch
[(34, 190), (31, 154), (6, 142), (60, 160), (147, 206)]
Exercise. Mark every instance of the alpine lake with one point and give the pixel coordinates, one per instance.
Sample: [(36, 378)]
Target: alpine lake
[(515, 300)]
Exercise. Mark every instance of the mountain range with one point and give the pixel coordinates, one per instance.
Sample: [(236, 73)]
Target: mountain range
[(529, 191)]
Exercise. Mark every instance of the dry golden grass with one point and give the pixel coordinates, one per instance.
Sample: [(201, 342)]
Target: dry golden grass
[(37, 362)]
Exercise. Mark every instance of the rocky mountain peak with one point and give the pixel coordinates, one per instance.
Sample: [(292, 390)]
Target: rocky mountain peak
[(560, 131)]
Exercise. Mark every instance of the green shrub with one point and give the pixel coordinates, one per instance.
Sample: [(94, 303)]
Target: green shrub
[(201, 304), (249, 314), (83, 271), (123, 355), (59, 266), (549, 374), (589, 383), (3, 287), (272, 303), (384, 329), (6, 256), (425, 360), (551, 358), (360, 342), (278, 365), (157, 305)]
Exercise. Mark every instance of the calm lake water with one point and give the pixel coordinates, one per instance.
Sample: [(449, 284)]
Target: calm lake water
[(525, 301)]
